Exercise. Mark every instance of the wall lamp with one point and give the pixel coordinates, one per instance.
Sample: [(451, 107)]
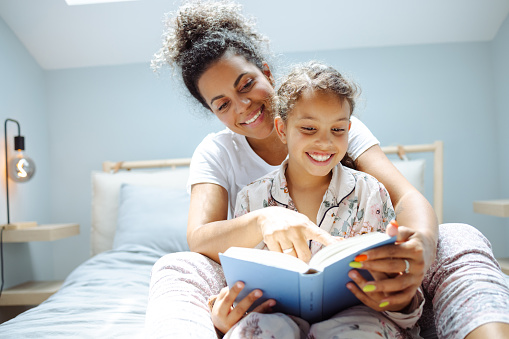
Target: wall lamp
[(19, 168)]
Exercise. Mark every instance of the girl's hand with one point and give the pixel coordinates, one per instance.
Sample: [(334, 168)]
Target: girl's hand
[(287, 231), (399, 284), (224, 315)]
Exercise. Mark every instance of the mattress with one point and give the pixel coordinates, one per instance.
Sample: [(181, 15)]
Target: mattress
[(105, 297)]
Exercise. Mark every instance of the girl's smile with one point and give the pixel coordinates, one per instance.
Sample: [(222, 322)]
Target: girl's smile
[(320, 159)]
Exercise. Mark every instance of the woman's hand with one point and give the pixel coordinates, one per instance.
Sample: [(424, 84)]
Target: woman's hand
[(373, 299), (224, 315), (399, 284), (287, 231)]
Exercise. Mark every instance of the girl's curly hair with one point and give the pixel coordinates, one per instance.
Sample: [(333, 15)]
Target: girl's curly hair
[(200, 32), (313, 76)]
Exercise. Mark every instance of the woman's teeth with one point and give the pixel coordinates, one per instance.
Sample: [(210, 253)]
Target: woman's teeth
[(253, 119), (317, 157)]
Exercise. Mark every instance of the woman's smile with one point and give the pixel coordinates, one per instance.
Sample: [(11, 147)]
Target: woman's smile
[(254, 117)]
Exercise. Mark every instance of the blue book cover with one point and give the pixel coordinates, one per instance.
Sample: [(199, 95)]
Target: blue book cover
[(314, 291)]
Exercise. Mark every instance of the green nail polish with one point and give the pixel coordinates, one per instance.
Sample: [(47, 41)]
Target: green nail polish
[(384, 304), (369, 288), (356, 264)]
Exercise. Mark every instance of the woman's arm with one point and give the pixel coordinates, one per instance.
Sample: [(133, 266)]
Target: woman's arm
[(209, 232), (411, 207), (417, 240)]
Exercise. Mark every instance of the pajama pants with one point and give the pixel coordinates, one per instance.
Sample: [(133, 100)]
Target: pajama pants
[(358, 322), (464, 289)]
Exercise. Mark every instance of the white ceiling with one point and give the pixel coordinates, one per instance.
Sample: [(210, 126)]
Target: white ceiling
[(61, 36)]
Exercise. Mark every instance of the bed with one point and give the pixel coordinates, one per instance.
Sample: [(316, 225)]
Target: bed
[(137, 217), (139, 213)]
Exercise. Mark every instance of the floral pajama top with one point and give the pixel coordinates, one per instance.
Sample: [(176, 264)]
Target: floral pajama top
[(354, 203)]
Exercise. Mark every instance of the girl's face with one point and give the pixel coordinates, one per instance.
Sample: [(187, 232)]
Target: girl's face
[(239, 94), (316, 132)]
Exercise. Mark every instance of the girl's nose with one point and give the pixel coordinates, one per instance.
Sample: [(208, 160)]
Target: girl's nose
[(323, 138)]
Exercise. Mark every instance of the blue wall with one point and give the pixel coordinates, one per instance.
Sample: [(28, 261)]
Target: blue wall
[(112, 113), (414, 94), (23, 97), (500, 50)]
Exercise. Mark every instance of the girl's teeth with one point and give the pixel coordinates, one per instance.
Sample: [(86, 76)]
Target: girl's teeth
[(254, 118), (317, 157)]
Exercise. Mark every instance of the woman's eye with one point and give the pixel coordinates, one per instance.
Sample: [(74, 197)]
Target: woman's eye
[(248, 85), (222, 106)]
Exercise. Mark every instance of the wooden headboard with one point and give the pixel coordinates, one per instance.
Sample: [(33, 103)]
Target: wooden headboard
[(110, 166), (437, 148)]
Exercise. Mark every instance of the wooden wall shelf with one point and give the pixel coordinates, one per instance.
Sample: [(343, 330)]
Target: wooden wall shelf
[(498, 208), (48, 232), (504, 264), (29, 293), (35, 292)]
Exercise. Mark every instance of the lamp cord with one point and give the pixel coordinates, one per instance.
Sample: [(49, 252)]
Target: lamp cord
[(2, 259), (6, 173), (7, 166)]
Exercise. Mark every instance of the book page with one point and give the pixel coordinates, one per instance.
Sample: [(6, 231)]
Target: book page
[(269, 258), (344, 248)]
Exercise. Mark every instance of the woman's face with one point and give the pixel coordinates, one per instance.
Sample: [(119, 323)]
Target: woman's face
[(239, 94)]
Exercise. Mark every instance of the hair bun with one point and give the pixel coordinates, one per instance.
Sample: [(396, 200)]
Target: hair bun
[(196, 19)]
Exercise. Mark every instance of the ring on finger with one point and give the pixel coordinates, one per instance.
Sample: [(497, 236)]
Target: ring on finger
[(288, 250), (407, 266)]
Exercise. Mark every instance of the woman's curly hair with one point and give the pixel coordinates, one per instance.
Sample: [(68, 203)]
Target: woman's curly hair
[(315, 76), (200, 32)]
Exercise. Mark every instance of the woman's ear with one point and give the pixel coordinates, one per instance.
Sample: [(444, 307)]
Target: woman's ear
[(279, 124), (268, 74)]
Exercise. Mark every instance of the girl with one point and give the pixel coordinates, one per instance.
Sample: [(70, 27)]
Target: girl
[(223, 63), (314, 107)]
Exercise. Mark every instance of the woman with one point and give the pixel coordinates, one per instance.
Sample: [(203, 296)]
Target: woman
[(223, 66)]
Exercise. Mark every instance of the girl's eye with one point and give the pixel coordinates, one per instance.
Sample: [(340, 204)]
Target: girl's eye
[(248, 85), (306, 129), (338, 130)]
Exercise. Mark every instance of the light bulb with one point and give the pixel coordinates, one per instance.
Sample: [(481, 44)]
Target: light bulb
[(21, 167)]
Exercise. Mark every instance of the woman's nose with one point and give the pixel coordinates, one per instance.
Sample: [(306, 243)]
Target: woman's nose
[(243, 104)]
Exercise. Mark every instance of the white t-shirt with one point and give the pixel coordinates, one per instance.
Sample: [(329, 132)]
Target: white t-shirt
[(226, 159)]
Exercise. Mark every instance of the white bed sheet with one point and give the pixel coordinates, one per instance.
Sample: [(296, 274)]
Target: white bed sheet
[(105, 297)]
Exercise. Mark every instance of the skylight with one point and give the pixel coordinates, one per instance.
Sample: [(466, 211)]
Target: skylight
[(91, 2)]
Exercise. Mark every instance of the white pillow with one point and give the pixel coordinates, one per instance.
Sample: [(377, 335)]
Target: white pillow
[(153, 217), (105, 199), (413, 171)]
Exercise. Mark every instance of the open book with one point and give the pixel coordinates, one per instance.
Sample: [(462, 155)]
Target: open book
[(314, 291)]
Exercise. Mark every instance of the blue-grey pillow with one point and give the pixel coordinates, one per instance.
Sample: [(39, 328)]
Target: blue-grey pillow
[(154, 217)]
